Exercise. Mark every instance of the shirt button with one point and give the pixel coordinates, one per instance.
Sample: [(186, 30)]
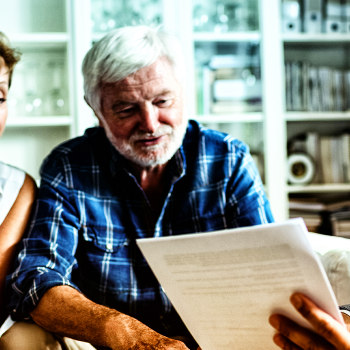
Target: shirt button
[(109, 246)]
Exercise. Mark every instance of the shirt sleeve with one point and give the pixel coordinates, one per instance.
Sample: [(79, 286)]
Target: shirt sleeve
[(247, 204), (345, 309), (46, 257)]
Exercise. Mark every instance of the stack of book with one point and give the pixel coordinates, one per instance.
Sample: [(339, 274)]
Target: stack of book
[(332, 219), (331, 156), (316, 89), (340, 218), (310, 210)]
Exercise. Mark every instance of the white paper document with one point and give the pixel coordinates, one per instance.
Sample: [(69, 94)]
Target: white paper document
[(226, 284)]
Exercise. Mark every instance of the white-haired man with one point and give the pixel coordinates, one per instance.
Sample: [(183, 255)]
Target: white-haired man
[(146, 171)]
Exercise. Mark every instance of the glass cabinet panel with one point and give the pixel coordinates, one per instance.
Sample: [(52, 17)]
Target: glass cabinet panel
[(40, 84), (111, 14), (225, 16), (228, 78), (33, 16), (228, 70)]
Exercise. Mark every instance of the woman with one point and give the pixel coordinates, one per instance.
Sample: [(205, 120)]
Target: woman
[(17, 189)]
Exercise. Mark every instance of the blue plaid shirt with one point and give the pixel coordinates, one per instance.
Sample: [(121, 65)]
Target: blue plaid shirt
[(90, 210)]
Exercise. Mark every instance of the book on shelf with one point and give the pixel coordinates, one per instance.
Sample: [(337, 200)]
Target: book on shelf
[(316, 89), (331, 159), (306, 204), (345, 156), (312, 148), (339, 206), (338, 93), (341, 223), (347, 90), (340, 218), (288, 82), (319, 217), (309, 209)]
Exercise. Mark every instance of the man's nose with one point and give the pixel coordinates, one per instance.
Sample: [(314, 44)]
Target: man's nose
[(149, 118)]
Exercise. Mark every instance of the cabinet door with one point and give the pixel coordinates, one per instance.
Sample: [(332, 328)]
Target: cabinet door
[(40, 99), (227, 65), (107, 15)]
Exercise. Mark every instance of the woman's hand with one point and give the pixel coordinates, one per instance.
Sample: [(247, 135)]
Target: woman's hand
[(329, 334)]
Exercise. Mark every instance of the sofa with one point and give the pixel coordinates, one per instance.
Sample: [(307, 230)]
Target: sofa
[(334, 253)]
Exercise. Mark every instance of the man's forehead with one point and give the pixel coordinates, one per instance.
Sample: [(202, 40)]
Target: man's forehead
[(160, 70)]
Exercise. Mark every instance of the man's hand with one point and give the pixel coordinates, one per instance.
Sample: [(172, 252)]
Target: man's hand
[(330, 334)]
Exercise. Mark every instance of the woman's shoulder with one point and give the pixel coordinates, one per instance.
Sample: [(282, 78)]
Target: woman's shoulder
[(16, 187), (11, 173), (29, 187)]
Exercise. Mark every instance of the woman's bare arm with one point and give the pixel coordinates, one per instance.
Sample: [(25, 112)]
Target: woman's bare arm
[(12, 230)]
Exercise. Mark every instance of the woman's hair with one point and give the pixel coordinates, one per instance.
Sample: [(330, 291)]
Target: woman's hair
[(124, 51), (11, 56)]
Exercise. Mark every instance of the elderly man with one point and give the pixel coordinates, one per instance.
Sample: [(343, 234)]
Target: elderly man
[(146, 171)]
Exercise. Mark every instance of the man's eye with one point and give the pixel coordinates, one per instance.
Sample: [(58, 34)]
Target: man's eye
[(126, 112), (163, 103), (2, 100)]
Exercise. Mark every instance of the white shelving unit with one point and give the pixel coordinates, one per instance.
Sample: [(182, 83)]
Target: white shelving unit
[(321, 50), (47, 33), (267, 130), (40, 31)]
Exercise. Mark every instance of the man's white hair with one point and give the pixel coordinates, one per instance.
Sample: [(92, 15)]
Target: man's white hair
[(124, 51)]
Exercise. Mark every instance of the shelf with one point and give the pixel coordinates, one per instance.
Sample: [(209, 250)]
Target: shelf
[(316, 116), (231, 118), (39, 121), (42, 39), (322, 188), (316, 38), (227, 37)]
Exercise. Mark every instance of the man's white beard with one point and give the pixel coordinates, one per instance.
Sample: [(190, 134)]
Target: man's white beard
[(152, 155)]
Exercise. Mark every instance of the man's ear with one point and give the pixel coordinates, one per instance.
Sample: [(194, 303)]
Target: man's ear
[(99, 121)]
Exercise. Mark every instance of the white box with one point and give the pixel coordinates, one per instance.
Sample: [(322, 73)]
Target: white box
[(312, 16), (291, 19)]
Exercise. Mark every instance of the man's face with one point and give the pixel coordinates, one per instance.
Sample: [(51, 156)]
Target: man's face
[(143, 115)]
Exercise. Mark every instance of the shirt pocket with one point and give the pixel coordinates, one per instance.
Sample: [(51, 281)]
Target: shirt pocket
[(103, 263), (103, 239)]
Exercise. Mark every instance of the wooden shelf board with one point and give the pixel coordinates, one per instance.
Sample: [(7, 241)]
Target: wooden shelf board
[(232, 118), (39, 121), (314, 116), (316, 38), (42, 39), (321, 188)]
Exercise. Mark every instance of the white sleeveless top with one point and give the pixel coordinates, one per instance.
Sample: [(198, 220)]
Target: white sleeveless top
[(11, 181)]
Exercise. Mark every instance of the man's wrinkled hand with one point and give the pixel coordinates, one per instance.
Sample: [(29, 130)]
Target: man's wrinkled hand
[(329, 334)]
